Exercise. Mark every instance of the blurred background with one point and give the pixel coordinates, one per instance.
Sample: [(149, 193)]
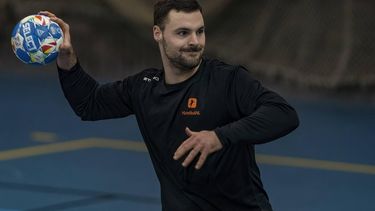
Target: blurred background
[(311, 45), (319, 54)]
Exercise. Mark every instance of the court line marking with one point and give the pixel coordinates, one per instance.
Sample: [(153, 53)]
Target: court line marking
[(137, 146), (43, 137), (315, 164), (71, 146)]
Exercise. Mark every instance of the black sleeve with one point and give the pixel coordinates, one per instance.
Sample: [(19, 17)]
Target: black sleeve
[(92, 101), (264, 115)]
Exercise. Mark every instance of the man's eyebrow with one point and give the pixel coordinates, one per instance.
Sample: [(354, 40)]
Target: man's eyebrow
[(188, 29), (183, 29)]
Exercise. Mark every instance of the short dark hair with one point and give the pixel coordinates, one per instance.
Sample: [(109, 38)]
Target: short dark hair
[(163, 7)]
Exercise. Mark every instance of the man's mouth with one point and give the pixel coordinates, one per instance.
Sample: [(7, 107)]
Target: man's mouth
[(192, 50)]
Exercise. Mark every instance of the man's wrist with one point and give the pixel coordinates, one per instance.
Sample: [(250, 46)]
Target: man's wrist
[(221, 138), (68, 63), (68, 68)]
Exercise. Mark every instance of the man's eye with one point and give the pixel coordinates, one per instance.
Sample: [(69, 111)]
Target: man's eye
[(182, 33)]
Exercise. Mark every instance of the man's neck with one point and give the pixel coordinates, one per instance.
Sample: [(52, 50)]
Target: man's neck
[(174, 75)]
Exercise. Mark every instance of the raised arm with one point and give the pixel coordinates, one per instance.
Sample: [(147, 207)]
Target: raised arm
[(66, 58), (88, 99)]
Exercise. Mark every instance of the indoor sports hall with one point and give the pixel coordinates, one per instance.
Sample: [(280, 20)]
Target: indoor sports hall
[(318, 55)]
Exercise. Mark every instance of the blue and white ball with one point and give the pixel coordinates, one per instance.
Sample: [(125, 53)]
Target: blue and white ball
[(36, 40)]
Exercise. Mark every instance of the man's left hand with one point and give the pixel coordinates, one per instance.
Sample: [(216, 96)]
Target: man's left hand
[(201, 143)]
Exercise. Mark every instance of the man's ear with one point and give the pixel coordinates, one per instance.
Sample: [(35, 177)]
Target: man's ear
[(158, 35)]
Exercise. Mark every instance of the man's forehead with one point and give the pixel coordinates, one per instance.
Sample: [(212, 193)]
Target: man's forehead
[(180, 19)]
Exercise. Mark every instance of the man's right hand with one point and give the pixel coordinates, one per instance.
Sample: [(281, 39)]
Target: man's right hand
[(66, 58)]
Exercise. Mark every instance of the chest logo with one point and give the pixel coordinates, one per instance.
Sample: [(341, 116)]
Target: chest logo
[(192, 103)]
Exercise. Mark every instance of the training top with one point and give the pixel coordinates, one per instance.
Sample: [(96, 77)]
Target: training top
[(219, 97)]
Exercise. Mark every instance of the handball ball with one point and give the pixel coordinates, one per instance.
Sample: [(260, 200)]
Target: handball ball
[(36, 40)]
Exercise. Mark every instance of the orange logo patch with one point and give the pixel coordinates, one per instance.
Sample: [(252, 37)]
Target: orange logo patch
[(192, 103)]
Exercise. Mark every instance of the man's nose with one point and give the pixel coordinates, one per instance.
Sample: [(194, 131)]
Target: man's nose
[(193, 39)]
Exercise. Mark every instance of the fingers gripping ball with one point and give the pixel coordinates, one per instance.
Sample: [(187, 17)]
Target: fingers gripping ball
[(36, 40)]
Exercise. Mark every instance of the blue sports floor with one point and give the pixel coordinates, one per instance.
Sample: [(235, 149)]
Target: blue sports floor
[(50, 160)]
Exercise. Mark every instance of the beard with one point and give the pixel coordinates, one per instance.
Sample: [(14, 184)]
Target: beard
[(186, 58)]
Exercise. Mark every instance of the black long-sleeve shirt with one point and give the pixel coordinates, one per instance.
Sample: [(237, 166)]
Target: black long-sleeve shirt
[(218, 97)]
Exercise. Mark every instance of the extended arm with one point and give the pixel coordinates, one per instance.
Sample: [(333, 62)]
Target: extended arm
[(92, 101), (88, 99)]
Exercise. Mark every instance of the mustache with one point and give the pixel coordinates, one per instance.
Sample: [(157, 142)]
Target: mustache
[(193, 48)]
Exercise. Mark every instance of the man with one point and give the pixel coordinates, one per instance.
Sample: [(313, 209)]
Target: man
[(199, 118)]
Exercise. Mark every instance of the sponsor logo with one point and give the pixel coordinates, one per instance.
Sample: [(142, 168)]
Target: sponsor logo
[(146, 79), (30, 44), (192, 104), (191, 113)]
